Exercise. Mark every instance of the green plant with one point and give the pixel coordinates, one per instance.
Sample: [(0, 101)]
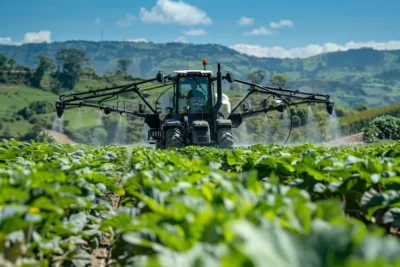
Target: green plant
[(383, 127)]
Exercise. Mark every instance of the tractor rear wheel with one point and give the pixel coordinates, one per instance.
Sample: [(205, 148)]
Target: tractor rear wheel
[(225, 138), (174, 138)]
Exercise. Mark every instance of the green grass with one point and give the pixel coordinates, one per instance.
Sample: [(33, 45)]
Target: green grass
[(18, 128), (20, 97)]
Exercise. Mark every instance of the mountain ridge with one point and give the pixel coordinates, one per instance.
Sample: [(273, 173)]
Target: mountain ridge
[(354, 76)]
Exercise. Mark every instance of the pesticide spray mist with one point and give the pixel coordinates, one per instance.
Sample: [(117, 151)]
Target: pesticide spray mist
[(78, 117), (311, 126), (285, 124), (97, 136), (266, 130), (119, 137), (334, 126), (57, 125), (241, 135)]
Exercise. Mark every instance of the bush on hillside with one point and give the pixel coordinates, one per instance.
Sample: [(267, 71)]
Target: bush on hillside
[(37, 107), (383, 127)]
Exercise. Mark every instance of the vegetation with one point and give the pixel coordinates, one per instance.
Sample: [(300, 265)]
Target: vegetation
[(71, 62), (262, 205), (383, 128), (355, 122), (278, 80), (359, 76), (256, 76), (45, 65), (123, 64), (75, 74)]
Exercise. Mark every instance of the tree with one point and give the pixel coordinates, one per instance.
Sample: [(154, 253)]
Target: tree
[(256, 76), (278, 80), (70, 61), (234, 87), (11, 62), (89, 71), (145, 65), (45, 65), (361, 107), (3, 62), (123, 64)]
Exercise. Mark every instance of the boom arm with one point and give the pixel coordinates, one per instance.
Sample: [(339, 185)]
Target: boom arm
[(97, 98), (282, 98)]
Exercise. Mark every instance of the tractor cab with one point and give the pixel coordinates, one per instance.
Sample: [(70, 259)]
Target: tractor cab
[(193, 92), (194, 95)]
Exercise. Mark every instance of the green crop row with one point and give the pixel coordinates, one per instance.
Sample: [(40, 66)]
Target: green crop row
[(259, 206), (200, 206), (52, 199)]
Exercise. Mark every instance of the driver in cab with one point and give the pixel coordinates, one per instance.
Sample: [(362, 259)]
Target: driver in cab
[(196, 92)]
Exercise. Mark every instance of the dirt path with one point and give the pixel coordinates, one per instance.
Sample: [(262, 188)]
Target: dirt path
[(101, 256), (351, 139), (60, 138)]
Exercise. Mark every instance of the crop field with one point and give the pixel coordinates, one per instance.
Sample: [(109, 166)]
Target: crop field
[(80, 205)]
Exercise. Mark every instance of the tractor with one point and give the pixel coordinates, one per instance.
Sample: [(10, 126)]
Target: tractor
[(193, 111)]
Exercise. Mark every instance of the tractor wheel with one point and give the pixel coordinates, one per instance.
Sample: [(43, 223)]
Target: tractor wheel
[(225, 138), (174, 138)]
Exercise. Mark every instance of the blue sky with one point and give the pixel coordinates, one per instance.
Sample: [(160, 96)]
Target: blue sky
[(285, 28)]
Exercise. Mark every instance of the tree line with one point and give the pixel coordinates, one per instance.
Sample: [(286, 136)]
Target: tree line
[(71, 64), (64, 73)]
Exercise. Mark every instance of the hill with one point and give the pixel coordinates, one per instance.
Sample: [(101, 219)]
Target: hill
[(352, 77)]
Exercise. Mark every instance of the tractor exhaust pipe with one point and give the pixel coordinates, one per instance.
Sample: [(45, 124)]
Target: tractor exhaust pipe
[(218, 103)]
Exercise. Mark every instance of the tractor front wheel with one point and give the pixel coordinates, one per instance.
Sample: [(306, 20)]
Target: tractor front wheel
[(174, 138), (225, 138)]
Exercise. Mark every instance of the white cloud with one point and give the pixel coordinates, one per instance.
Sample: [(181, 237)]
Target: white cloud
[(29, 37), (37, 37), (282, 24), (311, 50), (181, 39), (97, 21), (244, 21), (6, 41), (259, 31), (196, 32), (126, 21), (137, 40), (178, 12)]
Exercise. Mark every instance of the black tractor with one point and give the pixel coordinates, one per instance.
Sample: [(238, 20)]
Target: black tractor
[(193, 110)]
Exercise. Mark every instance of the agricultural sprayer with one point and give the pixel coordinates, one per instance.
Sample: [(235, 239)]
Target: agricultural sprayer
[(192, 110)]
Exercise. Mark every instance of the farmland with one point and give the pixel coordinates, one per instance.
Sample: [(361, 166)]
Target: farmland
[(251, 206)]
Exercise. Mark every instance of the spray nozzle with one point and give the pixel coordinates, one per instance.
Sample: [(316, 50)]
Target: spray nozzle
[(329, 107), (60, 105), (280, 107)]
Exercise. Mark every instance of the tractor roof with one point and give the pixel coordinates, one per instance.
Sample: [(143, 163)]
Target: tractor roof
[(193, 72)]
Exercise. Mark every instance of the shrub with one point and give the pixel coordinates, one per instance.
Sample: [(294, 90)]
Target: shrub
[(383, 127)]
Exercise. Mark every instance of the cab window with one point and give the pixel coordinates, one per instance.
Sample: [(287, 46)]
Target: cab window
[(193, 97)]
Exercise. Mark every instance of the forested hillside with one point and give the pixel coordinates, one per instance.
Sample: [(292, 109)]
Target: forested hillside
[(352, 77)]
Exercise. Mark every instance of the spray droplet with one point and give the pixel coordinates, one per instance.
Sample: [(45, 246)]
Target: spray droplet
[(57, 125), (119, 137), (311, 126), (334, 126), (285, 125), (266, 130)]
